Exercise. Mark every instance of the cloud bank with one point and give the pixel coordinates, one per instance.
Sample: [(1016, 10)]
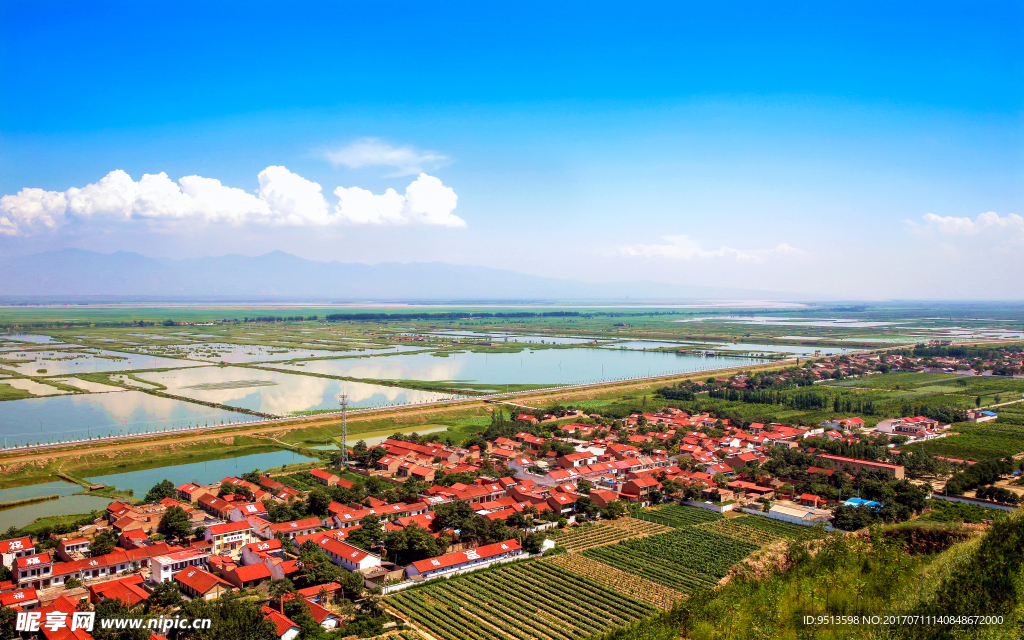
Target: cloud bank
[(371, 152), (684, 248), (989, 222), (283, 199)]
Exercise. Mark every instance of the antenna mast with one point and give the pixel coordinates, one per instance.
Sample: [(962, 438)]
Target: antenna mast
[(344, 430)]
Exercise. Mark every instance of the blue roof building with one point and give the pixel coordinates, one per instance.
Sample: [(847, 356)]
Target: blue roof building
[(860, 502)]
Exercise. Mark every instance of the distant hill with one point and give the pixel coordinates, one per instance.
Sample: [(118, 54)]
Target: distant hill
[(70, 273)]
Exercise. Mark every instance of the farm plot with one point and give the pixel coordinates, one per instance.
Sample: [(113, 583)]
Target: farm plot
[(627, 583), (597, 534), (687, 559), (741, 529), (677, 515), (525, 601), (405, 634), (775, 527)]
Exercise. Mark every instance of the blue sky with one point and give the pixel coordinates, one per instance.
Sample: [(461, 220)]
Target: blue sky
[(812, 147)]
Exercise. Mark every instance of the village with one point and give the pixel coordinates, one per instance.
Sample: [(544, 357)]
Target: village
[(326, 544)]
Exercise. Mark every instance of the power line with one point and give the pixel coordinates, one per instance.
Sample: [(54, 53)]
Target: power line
[(344, 430)]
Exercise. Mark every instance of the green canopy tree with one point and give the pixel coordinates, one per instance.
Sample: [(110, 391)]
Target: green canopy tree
[(161, 490), (176, 523), (102, 544)]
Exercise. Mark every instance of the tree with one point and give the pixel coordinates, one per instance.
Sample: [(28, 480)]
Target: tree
[(517, 520), (369, 534), (453, 515), (226, 489), (585, 506), (317, 568), (615, 509), (72, 583), (413, 543), (8, 618), (161, 490), (533, 543), (165, 595), (231, 617), (583, 487), (318, 502), (102, 544), (278, 589), (115, 609), (176, 523)]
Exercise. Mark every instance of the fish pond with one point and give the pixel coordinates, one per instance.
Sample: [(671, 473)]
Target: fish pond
[(281, 394), (531, 366), (81, 416)]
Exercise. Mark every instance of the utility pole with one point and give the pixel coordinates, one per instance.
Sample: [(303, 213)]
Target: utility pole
[(344, 430)]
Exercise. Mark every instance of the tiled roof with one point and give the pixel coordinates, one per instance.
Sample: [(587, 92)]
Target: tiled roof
[(250, 572), (16, 544), (229, 527), (460, 557), (199, 580)]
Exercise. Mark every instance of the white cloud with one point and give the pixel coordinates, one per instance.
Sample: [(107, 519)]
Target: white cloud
[(684, 248), (371, 152), (294, 199), (283, 199), (31, 209), (985, 222), (426, 201)]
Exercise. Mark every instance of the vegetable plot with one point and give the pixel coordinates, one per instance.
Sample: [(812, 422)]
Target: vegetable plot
[(525, 601), (687, 559), (601, 533), (677, 515)]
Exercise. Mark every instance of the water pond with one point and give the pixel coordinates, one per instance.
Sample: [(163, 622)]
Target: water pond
[(541, 366), (281, 394), (73, 417), (510, 337), (28, 337), (67, 504), (244, 354), (88, 361), (796, 350), (795, 322), (206, 472)]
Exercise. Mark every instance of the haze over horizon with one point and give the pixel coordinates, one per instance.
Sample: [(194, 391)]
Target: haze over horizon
[(862, 151)]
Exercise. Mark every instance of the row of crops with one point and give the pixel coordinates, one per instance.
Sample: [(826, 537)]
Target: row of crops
[(628, 583), (405, 634), (757, 529), (521, 601), (677, 515), (687, 559), (601, 533)]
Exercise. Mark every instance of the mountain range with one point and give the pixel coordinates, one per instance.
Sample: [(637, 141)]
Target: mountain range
[(76, 273)]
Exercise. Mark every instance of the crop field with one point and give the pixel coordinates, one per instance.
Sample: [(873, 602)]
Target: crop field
[(677, 515), (630, 584), (979, 441), (750, 529), (597, 534), (522, 601), (405, 634), (687, 559)]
